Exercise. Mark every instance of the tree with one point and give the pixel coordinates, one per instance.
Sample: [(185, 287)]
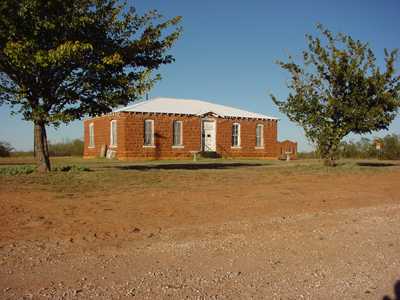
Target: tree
[(339, 90), (63, 59), (5, 149)]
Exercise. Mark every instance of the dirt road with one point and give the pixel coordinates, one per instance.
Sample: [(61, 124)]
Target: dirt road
[(236, 233)]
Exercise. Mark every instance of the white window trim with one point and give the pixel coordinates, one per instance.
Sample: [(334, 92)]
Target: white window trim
[(262, 137), (178, 146), (152, 145), (91, 136), (113, 144), (238, 146)]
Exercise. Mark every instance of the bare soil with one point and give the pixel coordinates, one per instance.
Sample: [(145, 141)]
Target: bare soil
[(238, 231)]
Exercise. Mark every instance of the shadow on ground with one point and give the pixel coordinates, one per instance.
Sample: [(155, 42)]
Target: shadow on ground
[(375, 164), (396, 290), (188, 166)]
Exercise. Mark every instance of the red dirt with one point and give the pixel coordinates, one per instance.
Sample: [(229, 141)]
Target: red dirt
[(293, 236)]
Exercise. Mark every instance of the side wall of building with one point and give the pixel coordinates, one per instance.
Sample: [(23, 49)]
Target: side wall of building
[(286, 148), (130, 136), (247, 146)]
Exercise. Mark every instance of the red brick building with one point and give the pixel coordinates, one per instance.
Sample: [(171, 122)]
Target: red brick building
[(177, 128), (287, 150)]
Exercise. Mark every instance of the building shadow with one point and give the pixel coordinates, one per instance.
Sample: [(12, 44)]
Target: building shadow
[(375, 164), (188, 166), (396, 290)]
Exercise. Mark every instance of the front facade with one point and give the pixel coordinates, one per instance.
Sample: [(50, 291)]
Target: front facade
[(176, 128)]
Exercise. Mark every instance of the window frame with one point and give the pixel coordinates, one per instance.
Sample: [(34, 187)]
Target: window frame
[(91, 135), (180, 145), (238, 145), (151, 145), (261, 138), (113, 138)]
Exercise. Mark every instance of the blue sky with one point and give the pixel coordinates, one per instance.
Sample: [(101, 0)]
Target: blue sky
[(228, 50)]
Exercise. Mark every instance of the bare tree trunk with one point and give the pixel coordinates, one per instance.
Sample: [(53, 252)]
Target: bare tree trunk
[(34, 141), (41, 147), (330, 161)]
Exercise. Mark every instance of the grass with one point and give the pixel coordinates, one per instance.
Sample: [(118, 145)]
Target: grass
[(112, 175)]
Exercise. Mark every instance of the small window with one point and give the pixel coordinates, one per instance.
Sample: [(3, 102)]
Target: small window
[(149, 132), (113, 133), (91, 135), (236, 135), (260, 135), (177, 133)]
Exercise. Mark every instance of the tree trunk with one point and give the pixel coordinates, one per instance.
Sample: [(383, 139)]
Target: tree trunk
[(34, 141), (330, 162), (41, 147)]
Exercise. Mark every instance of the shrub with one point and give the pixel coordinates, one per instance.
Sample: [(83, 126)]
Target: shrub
[(22, 170), (67, 148), (5, 149)]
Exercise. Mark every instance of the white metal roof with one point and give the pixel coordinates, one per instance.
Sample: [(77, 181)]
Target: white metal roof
[(190, 107)]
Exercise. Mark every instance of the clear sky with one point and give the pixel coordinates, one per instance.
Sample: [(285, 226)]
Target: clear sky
[(228, 50)]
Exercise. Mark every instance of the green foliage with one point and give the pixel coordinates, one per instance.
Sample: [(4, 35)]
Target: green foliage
[(68, 148), (339, 90), (365, 148), (61, 59), (12, 171), (5, 149)]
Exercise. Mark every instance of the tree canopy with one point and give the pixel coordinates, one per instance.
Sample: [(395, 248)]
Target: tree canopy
[(63, 59), (340, 89)]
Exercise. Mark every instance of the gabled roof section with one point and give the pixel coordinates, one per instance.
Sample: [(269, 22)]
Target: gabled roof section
[(190, 107)]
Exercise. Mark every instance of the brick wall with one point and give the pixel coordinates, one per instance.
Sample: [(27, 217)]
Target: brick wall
[(130, 136), (247, 138), (287, 146)]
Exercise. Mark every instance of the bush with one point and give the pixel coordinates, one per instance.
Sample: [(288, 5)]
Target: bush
[(365, 148), (23, 170), (5, 149), (305, 155), (68, 148)]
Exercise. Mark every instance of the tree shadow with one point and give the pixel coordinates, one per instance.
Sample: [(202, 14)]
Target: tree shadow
[(396, 290), (188, 166), (375, 164)]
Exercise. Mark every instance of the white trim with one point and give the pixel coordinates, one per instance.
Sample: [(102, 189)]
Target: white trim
[(113, 139), (151, 145), (180, 145), (91, 136), (261, 146), (203, 145), (238, 136)]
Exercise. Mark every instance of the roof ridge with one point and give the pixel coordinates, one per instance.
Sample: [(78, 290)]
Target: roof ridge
[(190, 107)]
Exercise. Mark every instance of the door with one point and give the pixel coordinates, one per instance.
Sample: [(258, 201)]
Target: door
[(209, 136)]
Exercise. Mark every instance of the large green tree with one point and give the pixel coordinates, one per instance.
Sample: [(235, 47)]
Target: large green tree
[(63, 59), (339, 89)]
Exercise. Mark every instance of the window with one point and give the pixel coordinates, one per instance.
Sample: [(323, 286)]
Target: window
[(113, 133), (260, 136), (236, 135), (149, 133), (177, 133), (91, 135)]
